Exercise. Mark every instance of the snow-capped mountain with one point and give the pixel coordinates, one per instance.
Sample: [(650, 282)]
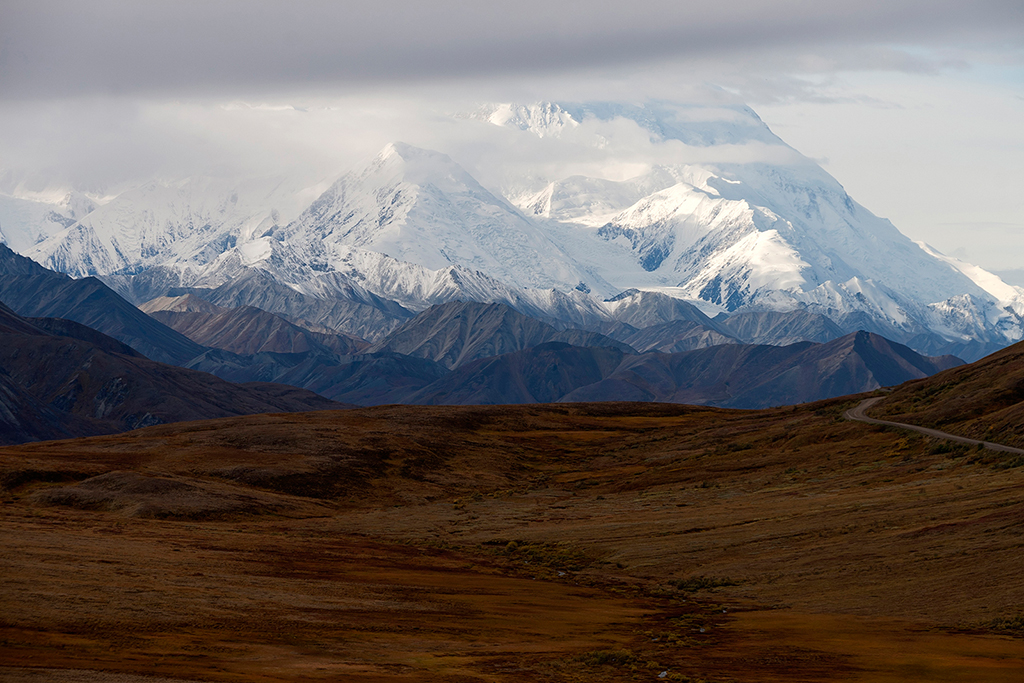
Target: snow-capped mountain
[(696, 125), (703, 204), (420, 207), (26, 220), (759, 235), (186, 222), (542, 119)]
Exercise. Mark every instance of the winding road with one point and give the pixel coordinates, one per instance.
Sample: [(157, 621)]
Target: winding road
[(857, 414)]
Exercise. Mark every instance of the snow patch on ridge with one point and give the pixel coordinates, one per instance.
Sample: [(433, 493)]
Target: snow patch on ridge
[(255, 251)]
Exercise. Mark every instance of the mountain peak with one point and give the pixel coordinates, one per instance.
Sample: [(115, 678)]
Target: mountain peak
[(400, 162), (542, 118), (407, 152), (420, 206), (700, 125)]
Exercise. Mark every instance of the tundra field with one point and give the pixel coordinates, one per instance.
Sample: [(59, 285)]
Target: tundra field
[(509, 543)]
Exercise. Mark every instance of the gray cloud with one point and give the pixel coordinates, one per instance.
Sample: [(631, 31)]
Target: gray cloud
[(61, 48), (104, 145)]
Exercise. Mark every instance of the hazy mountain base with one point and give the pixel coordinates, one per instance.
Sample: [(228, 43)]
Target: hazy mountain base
[(459, 333)]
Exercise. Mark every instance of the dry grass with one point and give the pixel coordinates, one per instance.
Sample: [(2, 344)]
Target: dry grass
[(589, 542), (983, 400)]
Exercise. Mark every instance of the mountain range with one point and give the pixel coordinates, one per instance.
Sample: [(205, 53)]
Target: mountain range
[(416, 278), (730, 375), (362, 253), (465, 352), (245, 330), (62, 377), (657, 287)]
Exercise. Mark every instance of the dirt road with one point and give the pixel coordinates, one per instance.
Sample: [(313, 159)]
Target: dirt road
[(858, 414)]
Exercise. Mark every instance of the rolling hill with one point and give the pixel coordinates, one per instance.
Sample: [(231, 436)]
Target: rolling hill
[(983, 400), (608, 542)]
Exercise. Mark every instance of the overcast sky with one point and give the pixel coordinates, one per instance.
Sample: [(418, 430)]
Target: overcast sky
[(916, 106)]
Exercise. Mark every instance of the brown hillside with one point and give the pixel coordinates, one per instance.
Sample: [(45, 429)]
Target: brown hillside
[(598, 542), (983, 400)]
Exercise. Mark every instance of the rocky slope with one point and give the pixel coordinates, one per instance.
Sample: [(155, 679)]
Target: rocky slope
[(676, 336), (780, 328), (244, 330), (456, 333)]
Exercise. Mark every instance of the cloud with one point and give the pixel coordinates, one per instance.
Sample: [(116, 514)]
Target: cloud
[(61, 48), (103, 94), (103, 145)]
